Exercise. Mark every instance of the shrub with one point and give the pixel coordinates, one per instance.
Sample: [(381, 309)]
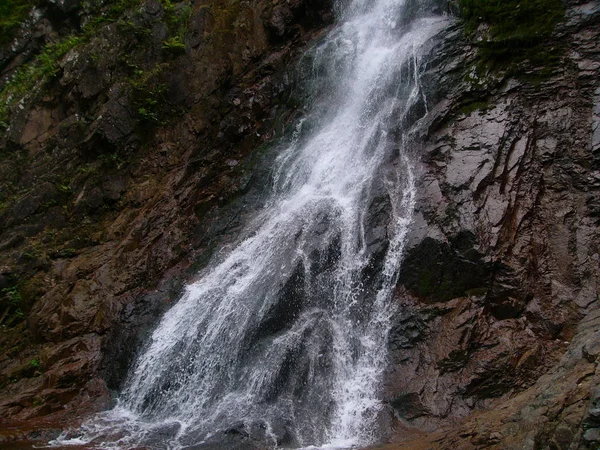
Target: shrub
[(174, 44)]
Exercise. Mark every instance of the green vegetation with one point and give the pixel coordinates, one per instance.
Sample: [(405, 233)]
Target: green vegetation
[(224, 16), (12, 14), (177, 19), (12, 308), (522, 22), (517, 29), (148, 93), (35, 363), (470, 107), (174, 44), (44, 67)]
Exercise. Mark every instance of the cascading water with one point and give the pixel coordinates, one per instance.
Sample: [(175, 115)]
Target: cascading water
[(284, 339)]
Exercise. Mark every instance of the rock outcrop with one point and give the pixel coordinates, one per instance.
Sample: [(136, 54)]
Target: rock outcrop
[(142, 145), (119, 171), (498, 315)]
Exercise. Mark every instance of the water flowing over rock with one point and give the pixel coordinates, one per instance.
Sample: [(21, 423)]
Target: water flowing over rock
[(282, 340), (281, 224)]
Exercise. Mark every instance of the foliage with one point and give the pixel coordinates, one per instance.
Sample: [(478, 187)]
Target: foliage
[(174, 44), (517, 28), (11, 301), (516, 20), (44, 67), (176, 19), (113, 160), (12, 14), (147, 92), (35, 363)]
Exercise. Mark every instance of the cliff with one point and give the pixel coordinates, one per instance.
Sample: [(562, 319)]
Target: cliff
[(130, 133), (499, 291), (136, 141)]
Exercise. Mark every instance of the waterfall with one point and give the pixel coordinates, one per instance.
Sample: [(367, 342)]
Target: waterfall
[(282, 341)]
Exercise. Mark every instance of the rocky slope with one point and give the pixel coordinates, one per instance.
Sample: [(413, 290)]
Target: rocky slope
[(134, 153), (118, 173), (499, 292)]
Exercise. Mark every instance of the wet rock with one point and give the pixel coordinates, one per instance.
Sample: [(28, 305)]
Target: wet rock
[(408, 406), (440, 271), (497, 248), (282, 20)]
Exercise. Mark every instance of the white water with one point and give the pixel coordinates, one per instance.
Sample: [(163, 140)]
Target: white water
[(285, 338)]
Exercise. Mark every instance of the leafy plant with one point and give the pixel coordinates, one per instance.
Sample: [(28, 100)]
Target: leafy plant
[(45, 65), (113, 160), (35, 363), (12, 301), (174, 44), (148, 93), (26, 79)]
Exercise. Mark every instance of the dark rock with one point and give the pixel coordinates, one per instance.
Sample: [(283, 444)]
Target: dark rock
[(441, 271), (409, 406)]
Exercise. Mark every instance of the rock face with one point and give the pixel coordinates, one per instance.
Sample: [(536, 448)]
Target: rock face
[(498, 296), (124, 170), (119, 172)]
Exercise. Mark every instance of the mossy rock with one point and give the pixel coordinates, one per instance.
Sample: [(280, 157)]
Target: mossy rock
[(512, 32)]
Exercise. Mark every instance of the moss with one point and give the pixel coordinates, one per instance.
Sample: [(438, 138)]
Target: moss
[(45, 65), (12, 14), (517, 31), (30, 76), (224, 15)]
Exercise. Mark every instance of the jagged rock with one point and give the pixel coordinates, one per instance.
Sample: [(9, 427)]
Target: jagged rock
[(120, 210), (516, 175), (497, 300)]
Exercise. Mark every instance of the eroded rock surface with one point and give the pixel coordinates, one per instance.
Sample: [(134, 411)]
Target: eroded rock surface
[(120, 175), (110, 203), (498, 296)]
